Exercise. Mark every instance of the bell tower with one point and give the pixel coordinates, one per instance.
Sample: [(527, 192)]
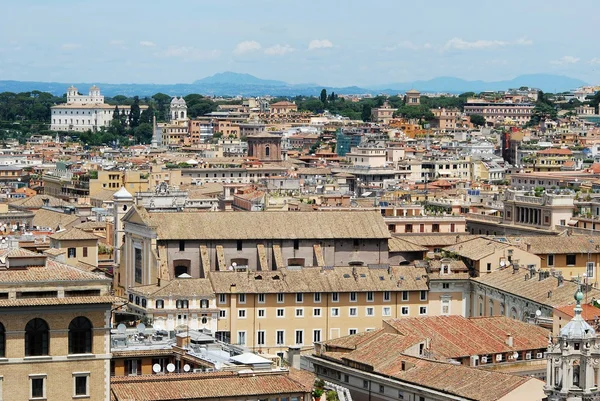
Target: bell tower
[(573, 368)]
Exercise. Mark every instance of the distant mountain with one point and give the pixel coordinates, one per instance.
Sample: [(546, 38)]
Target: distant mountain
[(545, 82), (234, 84)]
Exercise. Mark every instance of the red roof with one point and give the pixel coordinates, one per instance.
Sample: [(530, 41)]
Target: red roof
[(555, 151)]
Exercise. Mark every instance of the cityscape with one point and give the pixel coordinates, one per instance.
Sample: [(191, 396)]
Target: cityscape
[(299, 202)]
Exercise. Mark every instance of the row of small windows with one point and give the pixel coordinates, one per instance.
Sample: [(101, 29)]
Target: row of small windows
[(37, 337), (335, 297), (160, 303)]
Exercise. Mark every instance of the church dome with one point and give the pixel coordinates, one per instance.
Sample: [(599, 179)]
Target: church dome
[(123, 194), (578, 328)]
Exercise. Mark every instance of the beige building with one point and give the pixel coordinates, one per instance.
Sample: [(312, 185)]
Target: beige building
[(413, 97), (79, 247), (518, 113), (54, 339), (133, 181), (446, 119), (283, 107), (383, 114)]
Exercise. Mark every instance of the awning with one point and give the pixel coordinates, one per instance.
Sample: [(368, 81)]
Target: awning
[(367, 194), (491, 211), (572, 222)]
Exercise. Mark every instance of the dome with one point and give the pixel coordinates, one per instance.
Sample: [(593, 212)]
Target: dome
[(174, 100), (578, 328), (123, 194), (94, 88)]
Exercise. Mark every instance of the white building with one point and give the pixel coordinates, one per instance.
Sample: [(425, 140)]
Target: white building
[(84, 112)]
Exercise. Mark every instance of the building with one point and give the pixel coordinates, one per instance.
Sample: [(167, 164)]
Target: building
[(572, 360), (85, 112), (54, 330), (551, 159), (165, 245), (265, 147), (176, 132), (387, 365), (446, 119), (412, 98), (383, 114), (80, 247), (518, 113), (283, 107)]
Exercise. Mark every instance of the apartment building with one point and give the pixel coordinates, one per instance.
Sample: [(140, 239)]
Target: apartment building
[(383, 114), (552, 159), (519, 113), (166, 245), (446, 119), (80, 247), (54, 330), (133, 181)]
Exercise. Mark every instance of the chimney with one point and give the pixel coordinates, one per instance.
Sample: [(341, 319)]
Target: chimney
[(509, 340), (528, 247), (294, 357)]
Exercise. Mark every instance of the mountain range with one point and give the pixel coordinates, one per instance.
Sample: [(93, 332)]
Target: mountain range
[(233, 84)]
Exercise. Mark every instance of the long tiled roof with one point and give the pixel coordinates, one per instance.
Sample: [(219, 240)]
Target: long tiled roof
[(73, 234), (549, 244), (266, 225), (37, 201), (441, 240), (397, 244), (477, 248), (52, 219), (182, 286), (337, 279), (53, 272), (200, 386), (545, 292), (102, 299)]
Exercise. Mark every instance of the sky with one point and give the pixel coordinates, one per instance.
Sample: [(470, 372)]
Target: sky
[(326, 42)]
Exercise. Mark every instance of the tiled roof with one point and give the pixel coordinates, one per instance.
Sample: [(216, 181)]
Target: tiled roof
[(37, 201), (90, 225), (397, 244), (589, 313), (53, 271), (439, 240), (73, 234), (545, 292), (52, 219), (549, 244), (477, 248), (103, 299), (266, 225), (555, 151), (104, 195), (198, 386), (352, 341), (308, 280), (181, 286)]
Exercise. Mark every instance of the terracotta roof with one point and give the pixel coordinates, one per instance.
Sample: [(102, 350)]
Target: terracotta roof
[(73, 234), (37, 201), (13, 303), (549, 244), (477, 248), (104, 195), (589, 313), (52, 272), (397, 244), (198, 386), (545, 292), (439, 240), (180, 286), (51, 219), (555, 151), (90, 225), (266, 225), (308, 280), (352, 341)]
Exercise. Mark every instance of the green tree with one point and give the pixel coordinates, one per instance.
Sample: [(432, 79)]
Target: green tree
[(146, 115), (366, 112), (143, 133), (323, 96), (477, 119), (162, 105), (134, 115)]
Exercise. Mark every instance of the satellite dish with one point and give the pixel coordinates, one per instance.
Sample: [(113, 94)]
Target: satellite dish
[(503, 263), (516, 355), (121, 329), (156, 368), (538, 313), (234, 264), (141, 328), (171, 368), (186, 367)]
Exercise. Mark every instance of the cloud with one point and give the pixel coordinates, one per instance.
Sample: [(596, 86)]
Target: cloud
[(319, 44), (279, 50), (408, 45), (595, 60), (117, 42), (247, 47), (565, 60), (147, 43), (188, 53), (460, 44), (70, 46), (524, 42)]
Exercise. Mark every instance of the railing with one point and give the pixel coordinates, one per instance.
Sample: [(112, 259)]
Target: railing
[(342, 392), (483, 217)]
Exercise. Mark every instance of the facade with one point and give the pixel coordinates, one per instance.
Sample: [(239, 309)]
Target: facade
[(519, 113), (54, 341), (115, 179), (176, 132), (81, 247), (84, 112), (412, 98), (446, 119), (265, 147), (283, 108), (383, 114)]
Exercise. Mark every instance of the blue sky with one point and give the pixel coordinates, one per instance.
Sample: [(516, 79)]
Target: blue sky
[(329, 42)]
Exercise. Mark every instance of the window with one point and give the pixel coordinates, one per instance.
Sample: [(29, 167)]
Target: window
[(335, 312), (422, 310), (239, 245), (387, 311), (550, 260), (222, 298), (346, 378), (365, 384), (72, 252), (242, 313), (571, 259), (423, 296), (370, 296), (242, 298), (387, 296), (280, 298), (590, 269), (80, 336), (261, 313), (260, 337), (299, 312), (335, 297), (261, 298), (352, 332), (445, 285), (317, 297), (280, 337), (181, 304), (37, 337), (316, 335), (299, 297), (222, 314), (182, 245), (381, 388), (85, 252), (241, 338), (280, 312), (445, 306), (138, 265), (404, 296), (81, 384), (404, 311), (353, 312), (37, 386), (370, 311), (296, 244), (316, 312), (2, 345), (353, 297), (159, 304), (299, 337)]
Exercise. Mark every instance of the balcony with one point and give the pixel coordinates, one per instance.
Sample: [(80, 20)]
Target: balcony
[(484, 217)]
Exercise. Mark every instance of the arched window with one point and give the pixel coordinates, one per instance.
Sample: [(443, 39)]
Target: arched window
[(80, 336), (182, 115), (2, 341), (267, 151), (37, 337), (179, 270)]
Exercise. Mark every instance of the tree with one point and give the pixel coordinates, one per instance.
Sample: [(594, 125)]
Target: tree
[(134, 115), (116, 115), (162, 104), (366, 112), (323, 96), (146, 116), (143, 133), (477, 119)]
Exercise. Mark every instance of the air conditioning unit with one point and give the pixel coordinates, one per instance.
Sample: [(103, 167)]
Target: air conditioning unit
[(498, 357), (539, 355), (197, 370), (484, 359), (528, 355), (209, 370)]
